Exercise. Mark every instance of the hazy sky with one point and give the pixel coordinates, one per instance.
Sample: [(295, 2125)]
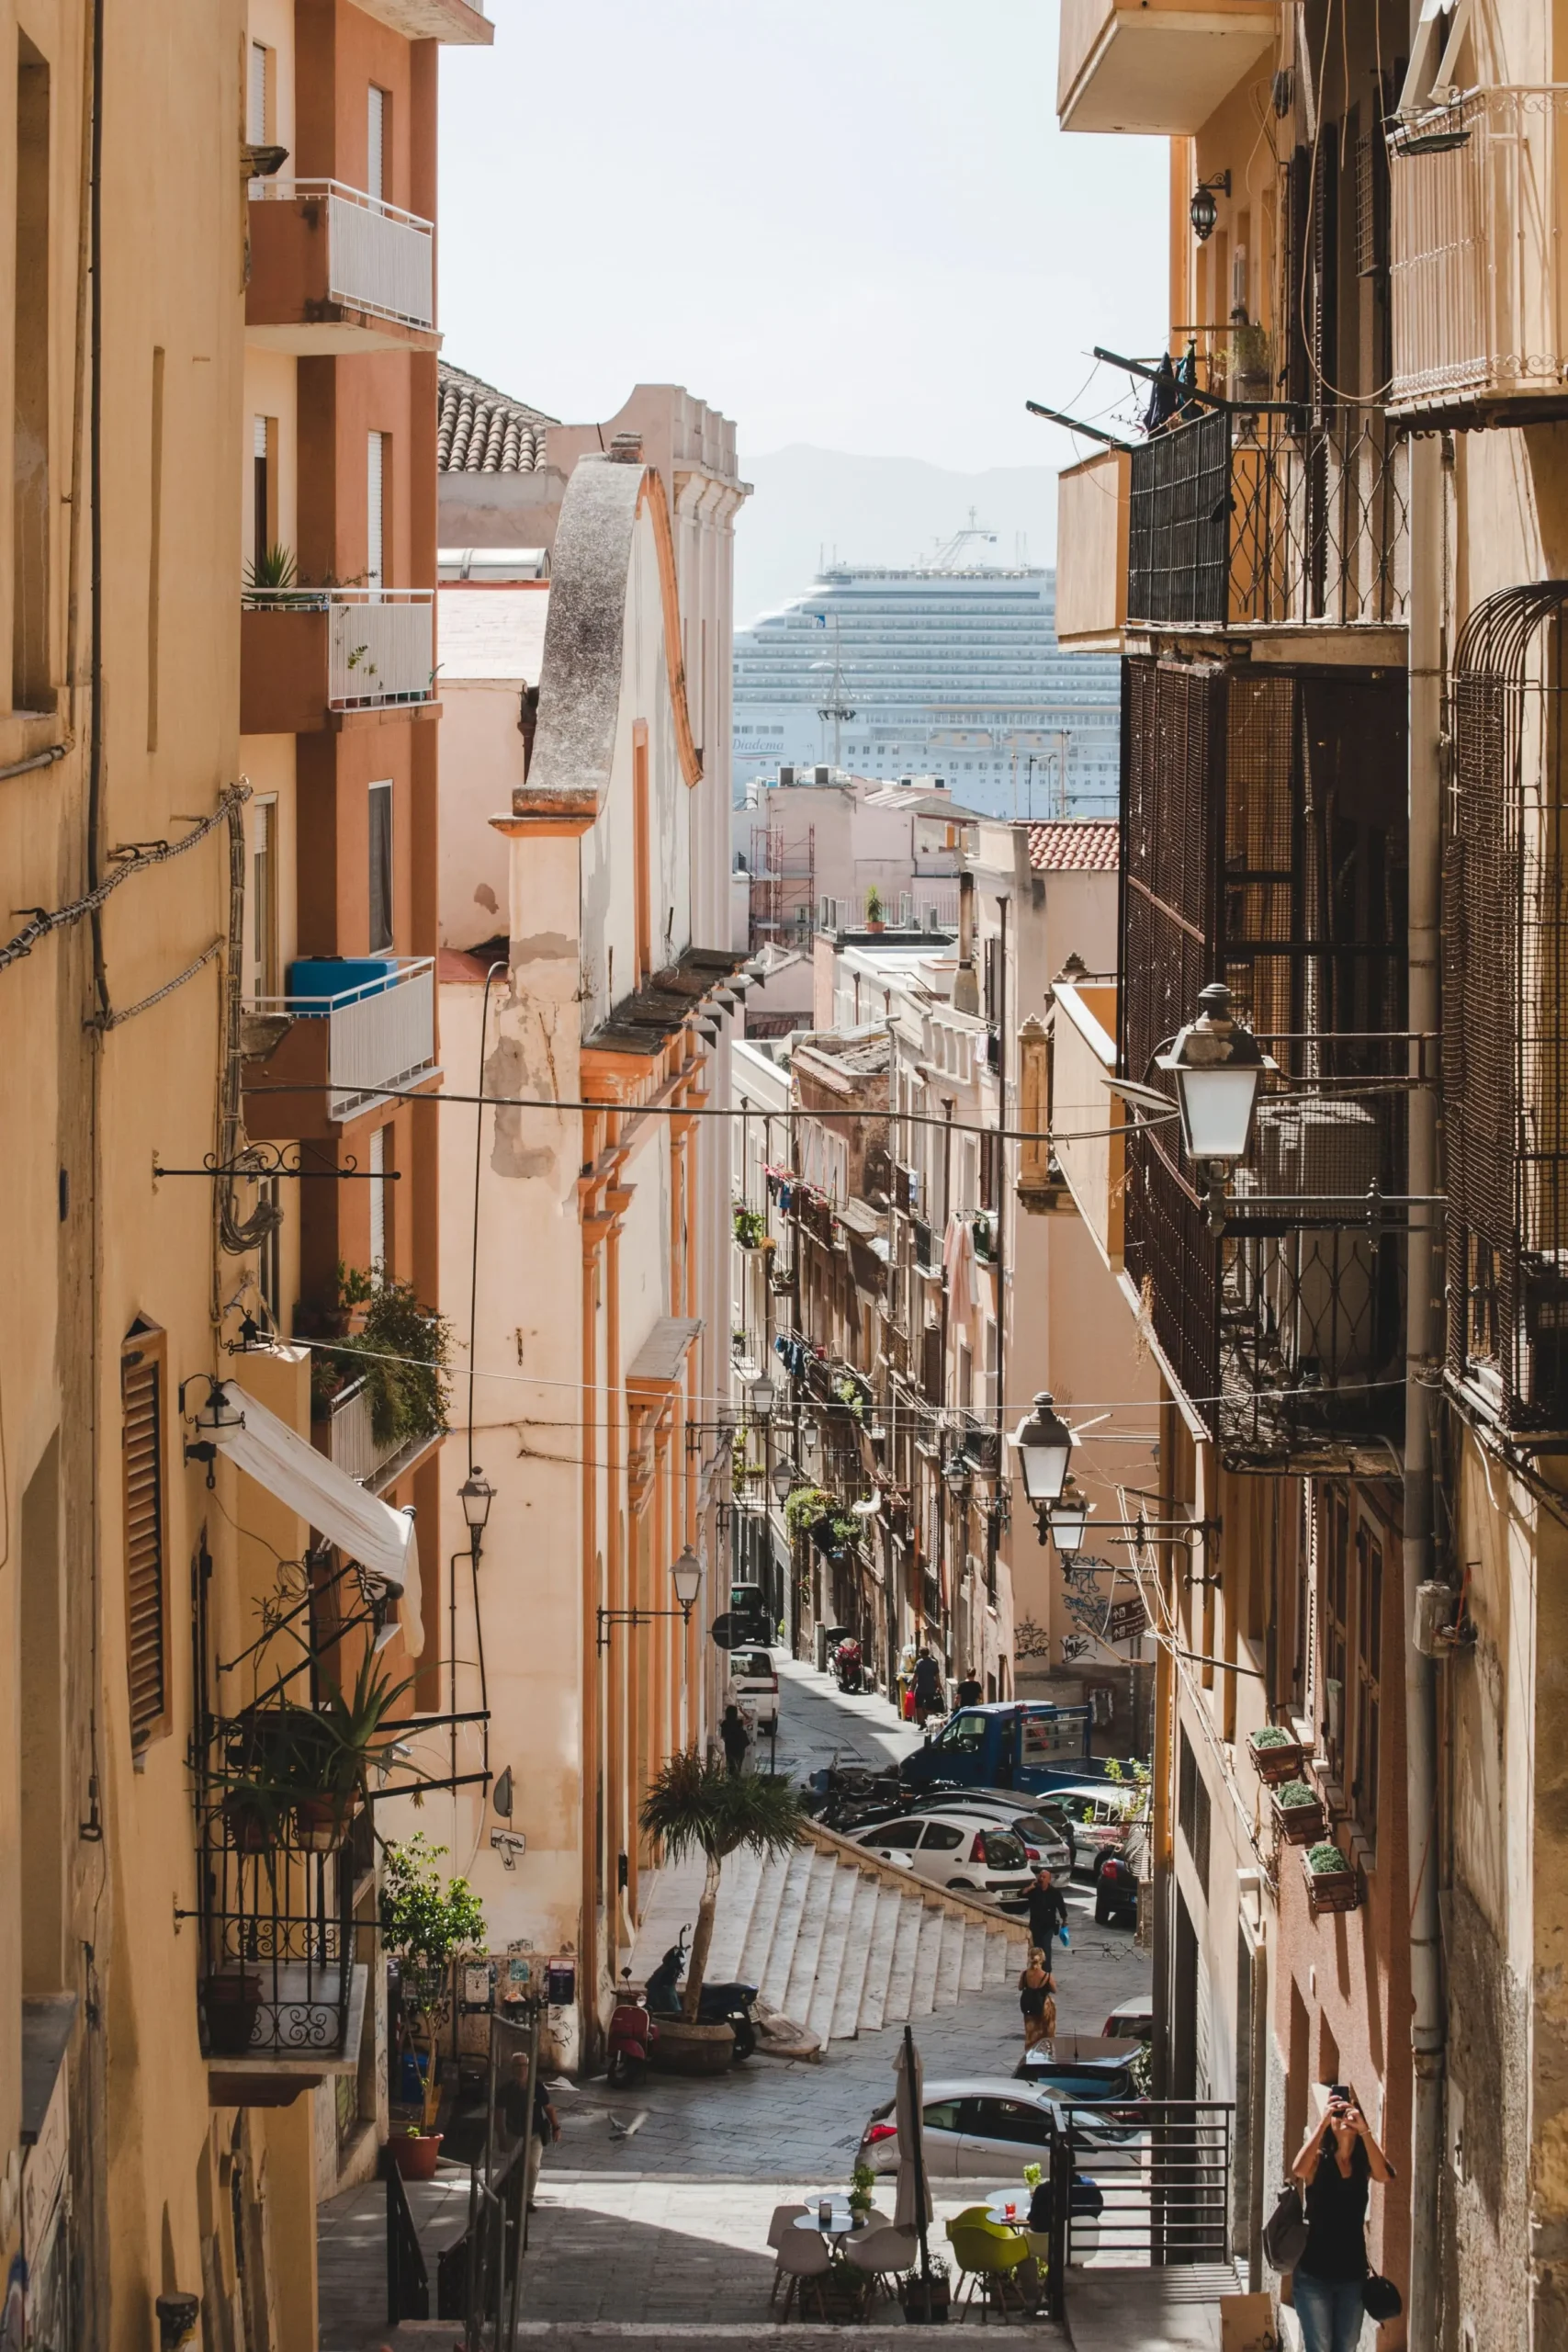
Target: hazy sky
[(850, 223)]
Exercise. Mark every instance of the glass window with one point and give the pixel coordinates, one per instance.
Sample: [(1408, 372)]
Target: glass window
[(1012, 2118), (940, 1837), (375, 163), (940, 2116), (901, 1836), (380, 927)]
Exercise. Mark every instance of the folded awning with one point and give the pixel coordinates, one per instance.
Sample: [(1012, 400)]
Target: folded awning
[(363, 1526)]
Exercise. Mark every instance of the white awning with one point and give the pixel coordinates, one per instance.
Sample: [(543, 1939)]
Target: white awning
[(363, 1526)]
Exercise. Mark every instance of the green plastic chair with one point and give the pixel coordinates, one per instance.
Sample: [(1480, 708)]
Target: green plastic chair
[(988, 2253)]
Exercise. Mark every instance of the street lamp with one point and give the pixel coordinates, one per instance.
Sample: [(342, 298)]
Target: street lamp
[(1045, 1443), (1218, 1065), (1202, 212), (763, 1395), (686, 1575), (783, 1480), (476, 1494), (1067, 1521)]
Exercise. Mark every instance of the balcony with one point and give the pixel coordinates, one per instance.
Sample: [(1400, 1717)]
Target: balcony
[(331, 270), (456, 22), (1478, 270), (1256, 522), (312, 658), (1083, 1108), (351, 1443), (343, 1047), (1156, 65), (1092, 509)]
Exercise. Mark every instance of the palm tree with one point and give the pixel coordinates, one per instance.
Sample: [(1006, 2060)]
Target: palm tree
[(699, 1806)]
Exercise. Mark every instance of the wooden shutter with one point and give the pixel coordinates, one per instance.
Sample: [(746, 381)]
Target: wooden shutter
[(142, 1379)]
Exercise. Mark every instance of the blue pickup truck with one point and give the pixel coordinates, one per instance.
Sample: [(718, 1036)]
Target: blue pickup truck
[(1021, 1743)]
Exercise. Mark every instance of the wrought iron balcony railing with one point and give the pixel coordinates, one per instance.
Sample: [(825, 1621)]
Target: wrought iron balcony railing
[(1267, 520)]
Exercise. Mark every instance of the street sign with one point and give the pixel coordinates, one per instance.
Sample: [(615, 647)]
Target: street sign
[(731, 1631), (1125, 1619)]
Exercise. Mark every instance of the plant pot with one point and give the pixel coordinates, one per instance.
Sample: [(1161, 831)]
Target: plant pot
[(1301, 1825), (1280, 1760), (416, 2155), (247, 1825), (913, 2300), (321, 1823), (1330, 1890), (683, 2048), (232, 2003)]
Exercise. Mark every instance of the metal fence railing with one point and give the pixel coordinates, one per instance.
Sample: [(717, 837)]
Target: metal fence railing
[(379, 259), (1151, 2183)]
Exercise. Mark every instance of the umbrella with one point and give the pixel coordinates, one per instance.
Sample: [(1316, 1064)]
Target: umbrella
[(914, 2202)]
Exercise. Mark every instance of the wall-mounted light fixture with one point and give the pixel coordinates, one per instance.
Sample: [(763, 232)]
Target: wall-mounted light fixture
[(1219, 1067), (1203, 211), (686, 1575), (476, 1494)]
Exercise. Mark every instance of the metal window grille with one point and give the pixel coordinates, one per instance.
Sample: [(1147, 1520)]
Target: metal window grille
[(1264, 838), (1505, 1027), (146, 1552)]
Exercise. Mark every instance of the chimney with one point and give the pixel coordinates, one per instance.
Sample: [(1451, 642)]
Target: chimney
[(966, 989), (626, 449)]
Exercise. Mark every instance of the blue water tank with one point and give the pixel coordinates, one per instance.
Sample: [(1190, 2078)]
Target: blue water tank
[(328, 976)]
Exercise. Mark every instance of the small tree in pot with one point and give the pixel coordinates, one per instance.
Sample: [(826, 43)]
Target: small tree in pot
[(696, 1805), (427, 1927)]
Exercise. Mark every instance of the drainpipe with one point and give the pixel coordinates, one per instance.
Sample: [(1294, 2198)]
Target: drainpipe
[(1431, 463)]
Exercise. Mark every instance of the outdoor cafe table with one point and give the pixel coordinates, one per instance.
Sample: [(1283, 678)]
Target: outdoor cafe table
[(840, 2222), (1011, 2207)]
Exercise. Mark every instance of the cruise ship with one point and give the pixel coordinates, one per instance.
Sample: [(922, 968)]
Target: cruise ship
[(949, 669)]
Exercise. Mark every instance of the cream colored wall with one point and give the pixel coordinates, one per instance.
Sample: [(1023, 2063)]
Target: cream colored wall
[(481, 764)]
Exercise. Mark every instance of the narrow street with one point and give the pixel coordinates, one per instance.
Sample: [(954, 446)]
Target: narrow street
[(654, 2206)]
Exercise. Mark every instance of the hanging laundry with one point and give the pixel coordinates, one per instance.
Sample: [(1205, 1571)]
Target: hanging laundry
[(1162, 398)]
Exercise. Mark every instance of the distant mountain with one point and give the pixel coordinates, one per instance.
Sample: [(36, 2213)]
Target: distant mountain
[(808, 503)]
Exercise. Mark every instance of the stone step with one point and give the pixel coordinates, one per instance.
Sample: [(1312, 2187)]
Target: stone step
[(849, 2005), (880, 1944), (796, 2002), (922, 1991), (972, 1967), (898, 2005), (737, 1892), (833, 1950), (762, 1924), (998, 1960), (786, 1928), (950, 1962)]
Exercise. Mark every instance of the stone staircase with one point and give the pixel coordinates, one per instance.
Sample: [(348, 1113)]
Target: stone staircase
[(835, 1940)]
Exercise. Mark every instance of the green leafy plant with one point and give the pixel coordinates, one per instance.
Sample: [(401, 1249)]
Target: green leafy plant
[(1326, 1856), (1271, 1735), (1033, 2175), (850, 1396), (427, 1927), (401, 1349), (873, 908), (751, 1227), (862, 2183), (696, 1805), (269, 578), (358, 1733), (805, 1507), (846, 1529), (1294, 1792)]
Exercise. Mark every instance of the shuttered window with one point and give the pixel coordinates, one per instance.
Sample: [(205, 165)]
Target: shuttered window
[(142, 1385)]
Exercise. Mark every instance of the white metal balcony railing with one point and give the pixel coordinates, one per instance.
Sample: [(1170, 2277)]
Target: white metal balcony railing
[(379, 259), (352, 1444), (381, 1036), (1477, 257), (381, 641)]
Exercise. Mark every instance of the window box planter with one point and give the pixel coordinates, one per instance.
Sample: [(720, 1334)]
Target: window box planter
[(1299, 1811), (1332, 1884), (1276, 1756)]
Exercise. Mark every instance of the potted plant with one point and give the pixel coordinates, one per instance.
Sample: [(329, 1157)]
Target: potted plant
[(425, 1927), (400, 1349), (230, 2002), (863, 2182), (1298, 1809), (696, 1805), (333, 1767), (1276, 1756), (874, 918), (751, 1227), (416, 2154), (927, 2301), (1331, 1881)]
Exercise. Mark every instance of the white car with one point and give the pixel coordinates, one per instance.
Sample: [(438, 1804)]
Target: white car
[(1104, 1814), (754, 1686), (1043, 1840), (970, 1852)]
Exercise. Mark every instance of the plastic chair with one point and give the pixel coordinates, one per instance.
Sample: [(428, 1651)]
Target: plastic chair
[(882, 2254), (805, 2261), (785, 2218), (988, 2253)]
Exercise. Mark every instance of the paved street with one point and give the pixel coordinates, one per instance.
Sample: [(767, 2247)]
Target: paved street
[(669, 2223)]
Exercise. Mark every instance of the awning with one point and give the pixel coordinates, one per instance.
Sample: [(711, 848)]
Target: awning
[(363, 1526)]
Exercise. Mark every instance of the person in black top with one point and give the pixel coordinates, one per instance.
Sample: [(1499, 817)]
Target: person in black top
[(736, 1738), (1035, 1992), (927, 1686), (1335, 2166), (1047, 1909), (968, 1693)]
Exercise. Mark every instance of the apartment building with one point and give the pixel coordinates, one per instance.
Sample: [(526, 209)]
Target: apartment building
[(585, 1249), (1339, 796)]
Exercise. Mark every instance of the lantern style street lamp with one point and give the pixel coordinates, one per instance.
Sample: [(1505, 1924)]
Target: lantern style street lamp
[(1045, 1444), (762, 1396), (1219, 1067), (1067, 1520), (476, 1494), (686, 1575), (783, 1480), (1202, 212)]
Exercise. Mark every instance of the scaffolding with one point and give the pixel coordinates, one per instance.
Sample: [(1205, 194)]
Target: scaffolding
[(783, 887)]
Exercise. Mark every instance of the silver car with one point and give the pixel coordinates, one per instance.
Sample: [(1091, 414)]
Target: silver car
[(984, 2129)]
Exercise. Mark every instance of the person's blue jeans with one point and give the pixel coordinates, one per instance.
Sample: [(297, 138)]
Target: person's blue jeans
[(1330, 2312)]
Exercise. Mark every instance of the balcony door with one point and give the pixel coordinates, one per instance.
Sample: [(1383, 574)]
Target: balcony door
[(380, 868)]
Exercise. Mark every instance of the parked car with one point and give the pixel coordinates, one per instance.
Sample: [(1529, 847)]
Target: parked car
[(965, 1851), (1082, 2069), (984, 2129), (1043, 1839), (1104, 1814), (1133, 2019), (754, 1684), (1115, 1891)]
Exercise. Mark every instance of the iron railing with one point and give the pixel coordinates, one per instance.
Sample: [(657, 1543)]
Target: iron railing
[(380, 642), (381, 1032), (1240, 520), (1480, 300), (1152, 2182), (379, 259), (1264, 834), (352, 1443), (1505, 1027)]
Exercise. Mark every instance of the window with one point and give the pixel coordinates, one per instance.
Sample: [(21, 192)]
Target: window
[(376, 531), (264, 897), (940, 2116), (941, 1837), (379, 124), (30, 519), (1336, 1628), (143, 1375), (269, 1266), (901, 1837), (380, 939), (1369, 1675), (1193, 1809), (258, 96), (1012, 2118), (263, 489)]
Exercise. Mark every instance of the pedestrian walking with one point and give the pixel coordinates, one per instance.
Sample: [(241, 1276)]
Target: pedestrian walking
[(1036, 1999), (736, 1738), (928, 1687), (969, 1691), (1338, 2161), (1047, 1911)]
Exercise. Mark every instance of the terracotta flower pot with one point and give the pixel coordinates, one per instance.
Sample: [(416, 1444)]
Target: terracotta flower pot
[(232, 2003), (321, 1823), (416, 2155)]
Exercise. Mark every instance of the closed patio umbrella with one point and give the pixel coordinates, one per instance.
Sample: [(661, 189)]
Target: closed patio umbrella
[(913, 2208)]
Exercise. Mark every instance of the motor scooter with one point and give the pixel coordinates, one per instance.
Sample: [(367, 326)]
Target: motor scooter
[(848, 1665), (633, 2034), (717, 2004)]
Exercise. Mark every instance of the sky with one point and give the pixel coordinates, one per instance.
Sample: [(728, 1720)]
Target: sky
[(848, 223)]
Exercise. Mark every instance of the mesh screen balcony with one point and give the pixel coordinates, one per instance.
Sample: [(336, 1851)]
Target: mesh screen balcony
[(1268, 521), (335, 270)]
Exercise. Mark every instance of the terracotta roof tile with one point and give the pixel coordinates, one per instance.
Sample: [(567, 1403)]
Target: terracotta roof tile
[(1086, 844), (482, 431)]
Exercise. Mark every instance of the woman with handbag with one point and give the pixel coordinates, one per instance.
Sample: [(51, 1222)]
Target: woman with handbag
[(1336, 2167), (1036, 1999)]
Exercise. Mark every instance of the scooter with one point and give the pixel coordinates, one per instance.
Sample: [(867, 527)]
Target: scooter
[(717, 2004), (848, 1665), (633, 2034)]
